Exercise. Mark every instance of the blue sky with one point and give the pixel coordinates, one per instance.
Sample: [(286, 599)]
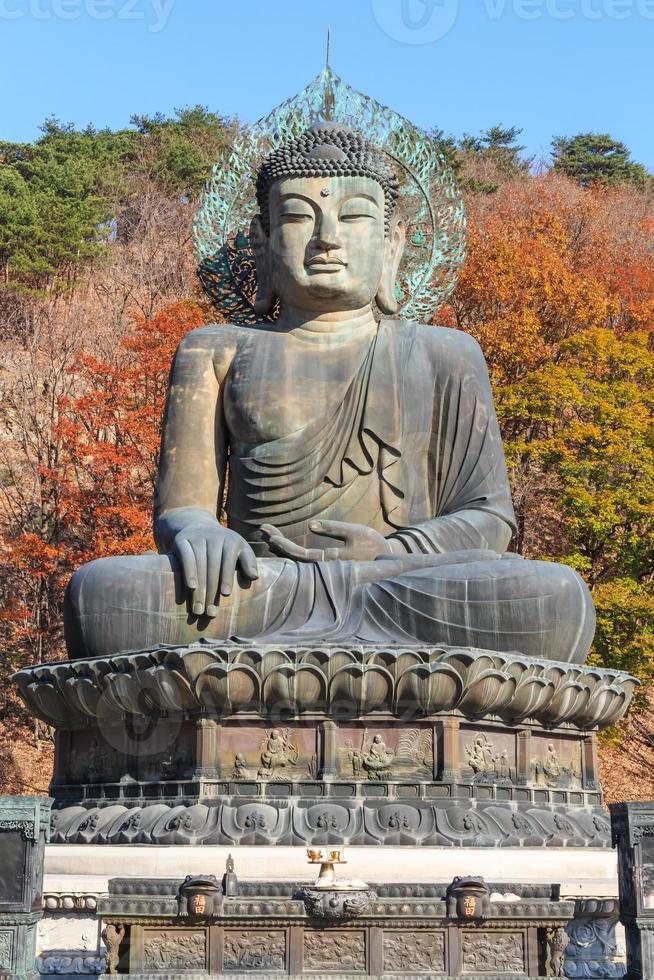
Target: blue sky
[(553, 67)]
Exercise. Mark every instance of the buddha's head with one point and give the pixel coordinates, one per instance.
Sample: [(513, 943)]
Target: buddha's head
[(327, 237)]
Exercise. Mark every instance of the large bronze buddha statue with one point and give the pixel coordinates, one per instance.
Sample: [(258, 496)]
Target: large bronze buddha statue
[(366, 491)]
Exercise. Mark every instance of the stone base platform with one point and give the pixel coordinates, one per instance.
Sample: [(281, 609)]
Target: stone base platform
[(77, 883), (87, 868)]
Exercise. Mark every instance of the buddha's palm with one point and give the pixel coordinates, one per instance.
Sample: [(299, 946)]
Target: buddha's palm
[(359, 543)]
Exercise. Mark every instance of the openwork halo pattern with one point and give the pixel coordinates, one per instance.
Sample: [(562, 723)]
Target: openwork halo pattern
[(429, 200)]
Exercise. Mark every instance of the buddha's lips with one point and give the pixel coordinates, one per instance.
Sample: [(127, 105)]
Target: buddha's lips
[(326, 265)]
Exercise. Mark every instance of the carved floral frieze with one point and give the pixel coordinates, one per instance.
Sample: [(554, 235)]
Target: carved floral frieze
[(416, 952), (335, 952), (249, 950)]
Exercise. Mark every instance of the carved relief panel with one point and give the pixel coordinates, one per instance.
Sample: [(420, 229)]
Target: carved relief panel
[(6, 950), (555, 762), (251, 950), (414, 952), (270, 752), (335, 952), (487, 756), (172, 950), (493, 952), (162, 749), (381, 752)]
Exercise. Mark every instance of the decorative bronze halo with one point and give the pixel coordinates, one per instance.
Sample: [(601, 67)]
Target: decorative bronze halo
[(430, 201)]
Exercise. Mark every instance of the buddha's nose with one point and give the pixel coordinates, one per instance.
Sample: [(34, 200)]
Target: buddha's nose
[(327, 232)]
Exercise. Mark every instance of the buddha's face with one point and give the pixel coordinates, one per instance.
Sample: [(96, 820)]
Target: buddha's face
[(326, 241)]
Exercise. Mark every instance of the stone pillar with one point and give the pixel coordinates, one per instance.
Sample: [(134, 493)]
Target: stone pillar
[(207, 749), (449, 741), (327, 751), (589, 762), (63, 751), (523, 757), (24, 829)]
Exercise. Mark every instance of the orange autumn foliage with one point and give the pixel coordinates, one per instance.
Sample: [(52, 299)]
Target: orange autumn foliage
[(99, 493)]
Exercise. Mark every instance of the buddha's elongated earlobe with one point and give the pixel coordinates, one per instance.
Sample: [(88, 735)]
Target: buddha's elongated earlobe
[(265, 298), (393, 251)]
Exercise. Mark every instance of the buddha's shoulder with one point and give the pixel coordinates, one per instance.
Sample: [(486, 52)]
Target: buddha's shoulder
[(441, 342), (217, 337)]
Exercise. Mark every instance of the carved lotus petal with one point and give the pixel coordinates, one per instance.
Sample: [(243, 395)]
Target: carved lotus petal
[(430, 687), (168, 690), (47, 702), (362, 687), (301, 687), (530, 694), (396, 662), (122, 691), (342, 658), (469, 664), (228, 687), (606, 705), (488, 693), (83, 694), (190, 663), (271, 660), (315, 657), (569, 698), (520, 667)]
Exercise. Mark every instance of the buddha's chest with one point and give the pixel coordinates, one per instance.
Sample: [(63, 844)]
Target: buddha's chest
[(274, 390)]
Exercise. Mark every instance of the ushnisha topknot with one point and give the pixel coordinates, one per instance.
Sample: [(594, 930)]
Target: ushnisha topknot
[(327, 150)]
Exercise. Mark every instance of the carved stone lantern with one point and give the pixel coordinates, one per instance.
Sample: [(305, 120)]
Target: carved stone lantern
[(468, 898), (200, 896), (633, 832)]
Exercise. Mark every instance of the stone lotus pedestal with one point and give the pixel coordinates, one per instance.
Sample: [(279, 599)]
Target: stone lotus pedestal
[(228, 744), (406, 754)]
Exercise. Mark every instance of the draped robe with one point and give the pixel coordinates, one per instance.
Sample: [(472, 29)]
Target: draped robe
[(414, 450)]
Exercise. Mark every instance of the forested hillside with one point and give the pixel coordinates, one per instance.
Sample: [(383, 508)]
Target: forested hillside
[(97, 286)]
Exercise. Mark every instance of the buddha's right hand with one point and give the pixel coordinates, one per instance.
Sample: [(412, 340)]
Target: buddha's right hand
[(209, 555)]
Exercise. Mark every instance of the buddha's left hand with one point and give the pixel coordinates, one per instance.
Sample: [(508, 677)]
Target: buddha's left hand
[(360, 543)]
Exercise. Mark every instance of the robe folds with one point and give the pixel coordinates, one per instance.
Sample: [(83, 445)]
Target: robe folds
[(414, 448), (419, 414)]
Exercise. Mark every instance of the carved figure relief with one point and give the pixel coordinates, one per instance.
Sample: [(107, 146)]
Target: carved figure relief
[(89, 762), (647, 848), (172, 763), (277, 752), (414, 951), (112, 936), (282, 753), (6, 949), (493, 953), (335, 951), (163, 951), (548, 769), (373, 758), (488, 763), (255, 951), (557, 943)]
